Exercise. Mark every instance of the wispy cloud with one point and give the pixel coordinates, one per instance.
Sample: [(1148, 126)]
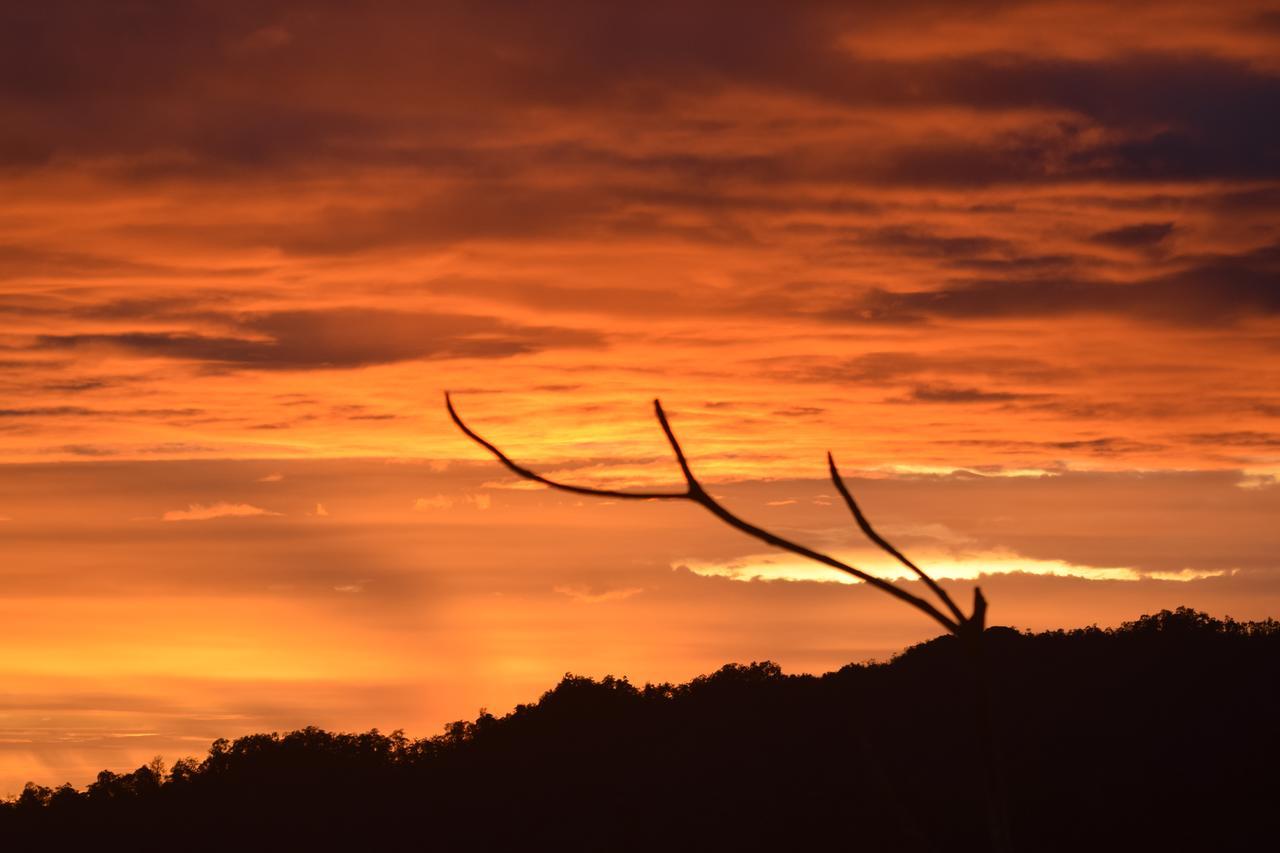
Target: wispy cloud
[(475, 500), (585, 595), (206, 512)]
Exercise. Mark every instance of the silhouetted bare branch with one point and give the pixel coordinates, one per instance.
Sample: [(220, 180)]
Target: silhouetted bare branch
[(697, 494)]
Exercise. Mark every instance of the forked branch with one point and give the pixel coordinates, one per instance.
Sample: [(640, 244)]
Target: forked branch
[(866, 528), (956, 623)]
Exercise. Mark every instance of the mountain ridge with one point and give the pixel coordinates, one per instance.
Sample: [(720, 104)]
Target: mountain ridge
[(1158, 732)]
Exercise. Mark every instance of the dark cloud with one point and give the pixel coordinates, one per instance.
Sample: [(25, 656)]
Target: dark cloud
[(918, 242), (191, 305), (82, 412), (1267, 20), (1106, 446), (195, 305), (173, 89), (798, 411), (45, 411), (1170, 116), (175, 448), (356, 412), (1103, 446), (481, 207), (623, 300), (1245, 438), (336, 338), (23, 261), (27, 262), (1018, 265), (1254, 199), (87, 450), (953, 394), (1209, 290), (80, 386), (1144, 235), (470, 212), (878, 368)]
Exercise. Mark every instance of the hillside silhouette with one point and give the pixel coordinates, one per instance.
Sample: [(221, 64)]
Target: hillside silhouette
[(1158, 735)]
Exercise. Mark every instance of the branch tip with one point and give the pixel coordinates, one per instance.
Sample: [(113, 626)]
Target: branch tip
[(870, 532)]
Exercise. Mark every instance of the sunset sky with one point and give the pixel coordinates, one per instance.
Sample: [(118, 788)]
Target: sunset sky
[(1017, 265)]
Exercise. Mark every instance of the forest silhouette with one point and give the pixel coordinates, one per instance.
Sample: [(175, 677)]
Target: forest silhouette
[(1157, 735)]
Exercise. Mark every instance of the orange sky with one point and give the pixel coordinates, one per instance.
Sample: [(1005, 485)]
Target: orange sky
[(1016, 264)]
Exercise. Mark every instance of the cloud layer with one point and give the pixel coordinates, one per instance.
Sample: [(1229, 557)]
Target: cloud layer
[(274, 222), (221, 509)]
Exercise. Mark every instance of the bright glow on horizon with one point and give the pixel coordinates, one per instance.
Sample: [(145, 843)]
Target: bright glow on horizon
[(940, 566)]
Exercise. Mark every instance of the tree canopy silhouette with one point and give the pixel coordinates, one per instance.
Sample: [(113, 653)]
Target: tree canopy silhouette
[(1159, 734)]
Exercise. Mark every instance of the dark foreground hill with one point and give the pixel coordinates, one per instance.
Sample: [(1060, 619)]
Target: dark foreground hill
[(1163, 734)]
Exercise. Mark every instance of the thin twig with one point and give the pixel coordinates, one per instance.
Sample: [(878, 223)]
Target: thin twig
[(538, 478), (875, 537)]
